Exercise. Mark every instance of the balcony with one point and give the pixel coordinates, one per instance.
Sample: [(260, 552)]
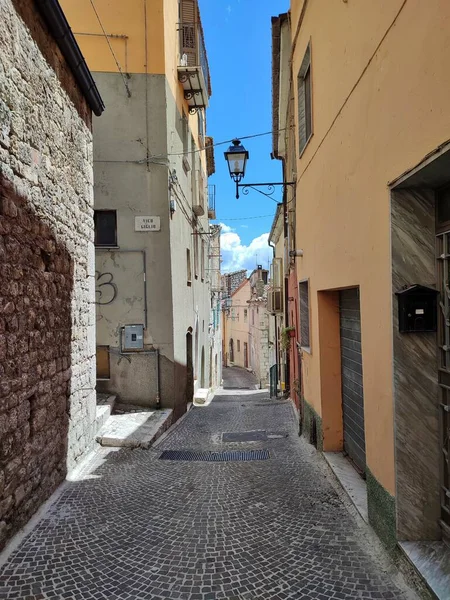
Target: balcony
[(193, 70), (211, 201)]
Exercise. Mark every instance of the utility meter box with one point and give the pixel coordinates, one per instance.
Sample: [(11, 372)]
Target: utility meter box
[(417, 309), (133, 337)]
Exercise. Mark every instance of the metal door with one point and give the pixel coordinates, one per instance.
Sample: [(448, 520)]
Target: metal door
[(443, 257), (352, 377)]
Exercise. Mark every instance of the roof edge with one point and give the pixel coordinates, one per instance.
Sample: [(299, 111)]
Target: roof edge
[(60, 30)]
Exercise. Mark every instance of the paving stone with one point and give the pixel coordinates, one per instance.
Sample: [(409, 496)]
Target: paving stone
[(149, 529)]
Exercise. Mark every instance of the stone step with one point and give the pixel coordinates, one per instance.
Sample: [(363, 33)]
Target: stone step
[(134, 429), (104, 409)]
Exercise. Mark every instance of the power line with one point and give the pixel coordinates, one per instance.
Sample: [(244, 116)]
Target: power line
[(243, 137), (110, 47), (244, 218)]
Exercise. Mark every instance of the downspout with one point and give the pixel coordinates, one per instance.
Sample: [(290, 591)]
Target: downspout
[(277, 357), (287, 375)]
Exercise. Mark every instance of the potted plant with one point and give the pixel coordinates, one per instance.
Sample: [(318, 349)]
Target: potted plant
[(286, 334)]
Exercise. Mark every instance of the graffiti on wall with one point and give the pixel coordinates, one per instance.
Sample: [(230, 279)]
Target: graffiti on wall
[(105, 289)]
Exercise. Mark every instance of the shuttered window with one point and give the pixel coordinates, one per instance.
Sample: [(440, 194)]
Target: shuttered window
[(188, 30), (304, 314), (304, 101)]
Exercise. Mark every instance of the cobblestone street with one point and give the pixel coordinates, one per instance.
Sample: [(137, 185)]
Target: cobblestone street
[(142, 528)]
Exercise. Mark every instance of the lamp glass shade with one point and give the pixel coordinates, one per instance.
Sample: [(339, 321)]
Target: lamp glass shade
[(236, 157)]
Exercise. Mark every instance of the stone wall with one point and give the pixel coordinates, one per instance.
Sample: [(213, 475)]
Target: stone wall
[(47, 313)]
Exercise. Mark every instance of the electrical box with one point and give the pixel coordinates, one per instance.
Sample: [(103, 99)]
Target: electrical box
[(133, 337), (417, 309)]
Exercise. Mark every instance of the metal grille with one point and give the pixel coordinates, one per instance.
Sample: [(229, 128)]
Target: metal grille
[(443, 256), (230, 456), (352, 377)]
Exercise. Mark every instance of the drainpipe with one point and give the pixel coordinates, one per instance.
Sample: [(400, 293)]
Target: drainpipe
[(158, 398), (277, 357)]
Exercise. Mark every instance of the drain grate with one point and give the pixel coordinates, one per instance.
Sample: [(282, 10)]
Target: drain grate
[(227, 456)]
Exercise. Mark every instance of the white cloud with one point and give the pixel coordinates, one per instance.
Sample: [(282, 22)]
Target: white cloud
[(237, 255), (225, 228)]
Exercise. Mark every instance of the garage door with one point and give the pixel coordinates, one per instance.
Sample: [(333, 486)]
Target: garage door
[(352, 377)]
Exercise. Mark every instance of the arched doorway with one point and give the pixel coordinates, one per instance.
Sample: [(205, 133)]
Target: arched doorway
[(202, 371), (196, 351), (210, 368), (189, 367)]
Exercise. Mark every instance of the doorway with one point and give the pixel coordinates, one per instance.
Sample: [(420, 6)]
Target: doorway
[(245, 355), (202, 369), (443, 271), (189, 368), (352, 377)]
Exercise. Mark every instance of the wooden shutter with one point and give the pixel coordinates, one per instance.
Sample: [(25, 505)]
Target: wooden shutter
[(189, 31), (304, 313)]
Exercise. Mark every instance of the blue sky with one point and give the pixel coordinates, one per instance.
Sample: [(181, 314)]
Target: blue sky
[(239, 44)]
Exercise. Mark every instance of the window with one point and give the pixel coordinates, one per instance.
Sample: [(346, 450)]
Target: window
[(304, 314), (239, 345), (304, 100), (245, 315), (202, 266), (188, 267), (201, 127), (105, 225), (253, 316), (196, 254)]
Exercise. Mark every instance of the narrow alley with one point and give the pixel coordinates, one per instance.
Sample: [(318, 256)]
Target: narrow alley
[(134, 526)]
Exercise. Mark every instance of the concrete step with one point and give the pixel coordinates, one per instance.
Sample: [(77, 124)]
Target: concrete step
[(105, 406), (134, 429)]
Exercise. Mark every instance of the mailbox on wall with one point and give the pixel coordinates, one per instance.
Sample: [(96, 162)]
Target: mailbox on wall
[(417, 309)]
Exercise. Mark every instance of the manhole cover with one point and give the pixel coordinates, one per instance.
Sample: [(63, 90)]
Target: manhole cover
[(244, 436), (234, 455)]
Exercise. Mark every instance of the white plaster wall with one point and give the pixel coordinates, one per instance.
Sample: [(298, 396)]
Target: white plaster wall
[(191, 304)]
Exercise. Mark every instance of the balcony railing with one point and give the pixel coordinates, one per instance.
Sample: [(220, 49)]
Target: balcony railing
[(193, 71), (212, 201)]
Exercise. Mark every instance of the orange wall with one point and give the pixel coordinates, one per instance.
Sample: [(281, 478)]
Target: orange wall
[(363, 138), (123, 19), (146, 45)]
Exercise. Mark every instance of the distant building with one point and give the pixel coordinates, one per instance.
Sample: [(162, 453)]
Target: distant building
[(246, 328), (47, 318)]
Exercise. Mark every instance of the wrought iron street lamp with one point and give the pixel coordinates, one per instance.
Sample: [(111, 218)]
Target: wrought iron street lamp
[(236, 157)]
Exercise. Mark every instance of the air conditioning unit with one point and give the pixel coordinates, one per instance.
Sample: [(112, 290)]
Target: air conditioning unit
[(275, 301)]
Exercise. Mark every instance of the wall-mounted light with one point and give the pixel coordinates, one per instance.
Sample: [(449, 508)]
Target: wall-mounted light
[(236, 157)]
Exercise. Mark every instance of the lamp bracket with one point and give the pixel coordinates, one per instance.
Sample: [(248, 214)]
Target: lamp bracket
[(246, 187)]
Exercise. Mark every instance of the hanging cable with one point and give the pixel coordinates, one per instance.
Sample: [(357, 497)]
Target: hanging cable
[(112, 51)]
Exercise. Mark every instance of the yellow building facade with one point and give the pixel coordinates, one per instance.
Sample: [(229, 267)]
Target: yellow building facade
[(370, 90)]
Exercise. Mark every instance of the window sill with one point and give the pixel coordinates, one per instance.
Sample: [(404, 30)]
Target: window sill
[(107, 247), (306, 349)]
